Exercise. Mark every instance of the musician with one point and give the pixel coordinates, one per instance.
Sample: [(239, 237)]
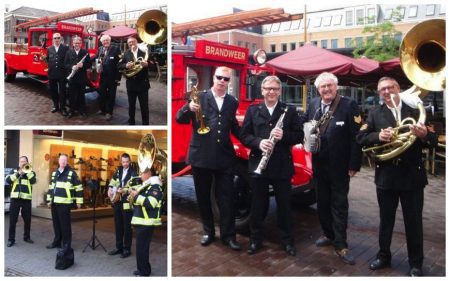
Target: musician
[(21, 183), (338, 160), (212, 156), (109, 56), (57, 74), (137, 85), (78, 60), (64, 190), (146, 215), (122, 210), (400, 179), (259, 124)]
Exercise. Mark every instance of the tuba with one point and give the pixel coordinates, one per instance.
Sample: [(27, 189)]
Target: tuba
[(152, 29), (422, 58)]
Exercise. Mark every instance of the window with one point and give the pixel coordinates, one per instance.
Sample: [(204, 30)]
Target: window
[(348, 42), (334, 43), (267, 28), (301, 44), (247, 45), (358, 41), (318, 22), (324, 44), (327, 21), (296, 25), (412, 11), (430, 10), (442, 9), (360, 17), (253, 47), (276, 27), (337, 20), (371, 15), (388, 14), (239, 43), (283, 47), (273, 48), (314, 42), (349, 18), (292, 46), (401, 12), (286, 26), (7, 26), (226, 42)]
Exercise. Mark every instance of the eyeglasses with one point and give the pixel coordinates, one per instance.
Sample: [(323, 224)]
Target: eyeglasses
[(56, 37), (389, 88), (226, 79), (268, 89)]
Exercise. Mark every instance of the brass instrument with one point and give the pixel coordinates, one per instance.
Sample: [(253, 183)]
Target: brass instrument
[(422, 57), (152, 29), (26, 168), (199, 114)]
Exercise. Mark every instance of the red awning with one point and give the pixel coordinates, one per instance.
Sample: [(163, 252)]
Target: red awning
[(120, 31)]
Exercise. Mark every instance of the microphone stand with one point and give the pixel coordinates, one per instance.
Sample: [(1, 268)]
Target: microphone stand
[(91, 244)]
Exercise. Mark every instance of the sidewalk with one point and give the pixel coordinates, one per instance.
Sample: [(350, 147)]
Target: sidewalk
[(25, 259)]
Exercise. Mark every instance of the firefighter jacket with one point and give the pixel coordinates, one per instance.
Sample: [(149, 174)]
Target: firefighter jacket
[(147, 203), (116, 182), (65, 187), (21, 184)]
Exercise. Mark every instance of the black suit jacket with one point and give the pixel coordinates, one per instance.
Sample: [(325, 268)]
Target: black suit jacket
[(72, 59), (56, 67), (140, 81), (338, 144), (213, 150), (109, 62), (405, 171), (118, 176), (258, 124)]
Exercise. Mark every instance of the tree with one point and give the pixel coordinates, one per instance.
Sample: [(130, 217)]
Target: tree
[(383, 44)]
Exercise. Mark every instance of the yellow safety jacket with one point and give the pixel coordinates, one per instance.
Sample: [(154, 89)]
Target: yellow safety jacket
[(147, 204), (21, 184), (65, 187)]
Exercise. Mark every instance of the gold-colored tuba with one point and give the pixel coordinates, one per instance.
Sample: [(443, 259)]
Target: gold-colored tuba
[(203, 129), (152, 29), (422, 58)]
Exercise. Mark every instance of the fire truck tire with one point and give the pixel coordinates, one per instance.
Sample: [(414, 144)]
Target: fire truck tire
[(9, 77), (305, 199)]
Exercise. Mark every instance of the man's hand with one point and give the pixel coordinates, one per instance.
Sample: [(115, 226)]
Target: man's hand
[(110, 193), (419, 130), (277, 133), (352, 173), (386, 134), (265, 145), (144, 63), (129, 64), (80, 65), (120, 190), (49, 204), (133, 193), (194, 106)]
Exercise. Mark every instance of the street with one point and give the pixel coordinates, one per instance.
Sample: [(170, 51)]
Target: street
[(28, 102), (189, 258)]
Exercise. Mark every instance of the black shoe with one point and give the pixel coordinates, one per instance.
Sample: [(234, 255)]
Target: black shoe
[(10, 243), (415, 271), (115, 252), (233, 245), (290, 249), (64, 112), (138, 273), (54, 109), (253, 248), (28, 240), (323, 241), (52, 246), (345, 256), (207, 239), (125, 254), (131, 122), (379, 264)]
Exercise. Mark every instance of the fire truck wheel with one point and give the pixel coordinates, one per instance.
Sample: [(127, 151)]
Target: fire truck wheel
[(10, 77), (306, 198)]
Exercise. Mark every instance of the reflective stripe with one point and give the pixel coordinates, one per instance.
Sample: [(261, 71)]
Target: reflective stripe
[(153, 201), (62, 200), (126, 206), (142, 221), (140, 200)]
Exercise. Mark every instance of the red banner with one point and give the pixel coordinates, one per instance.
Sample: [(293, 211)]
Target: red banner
[(220, 52), (53, 133)]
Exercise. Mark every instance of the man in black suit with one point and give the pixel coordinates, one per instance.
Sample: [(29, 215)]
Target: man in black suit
[(338, 160), (212, 155), (122, 210), (259, 125), (57, 74), (109, 57), (137, 85), (77, 84), (402, 178)]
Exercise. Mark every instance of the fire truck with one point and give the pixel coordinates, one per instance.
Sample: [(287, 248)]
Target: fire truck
[(195, 66), (30, 58)]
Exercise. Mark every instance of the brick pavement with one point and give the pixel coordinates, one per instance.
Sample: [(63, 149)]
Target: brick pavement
[(27, 102), (189, 258), (25, 259)]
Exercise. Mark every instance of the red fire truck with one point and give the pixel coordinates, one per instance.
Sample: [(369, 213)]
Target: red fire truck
[(195, 66), (30, 58)]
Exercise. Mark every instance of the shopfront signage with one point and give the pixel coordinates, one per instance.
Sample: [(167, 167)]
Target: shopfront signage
[(220, 52), (53, 133)]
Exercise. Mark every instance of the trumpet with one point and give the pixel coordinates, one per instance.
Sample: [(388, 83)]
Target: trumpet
[(26, 168), (199, 115)]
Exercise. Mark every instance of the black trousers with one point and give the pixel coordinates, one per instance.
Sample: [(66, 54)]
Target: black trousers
[(16, 205), (332, 207), (260, 201), (412, 206), (144, 236), (76, 97), (122, 225), (62, 225), (108, 87), (143, 102), (223, 179), (58, 92)]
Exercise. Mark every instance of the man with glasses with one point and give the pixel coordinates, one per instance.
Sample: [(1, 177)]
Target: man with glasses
[(57, 74), (212, 156), (258, 127), (338, 159), (400, 179)]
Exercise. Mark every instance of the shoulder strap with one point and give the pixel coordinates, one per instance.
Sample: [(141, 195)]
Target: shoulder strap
[(324, 125)]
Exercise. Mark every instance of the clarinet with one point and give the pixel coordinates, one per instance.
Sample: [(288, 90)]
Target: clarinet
[(266, 155), (76, 69)]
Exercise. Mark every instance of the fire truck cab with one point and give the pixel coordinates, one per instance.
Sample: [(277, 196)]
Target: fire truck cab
[(195, 66)]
